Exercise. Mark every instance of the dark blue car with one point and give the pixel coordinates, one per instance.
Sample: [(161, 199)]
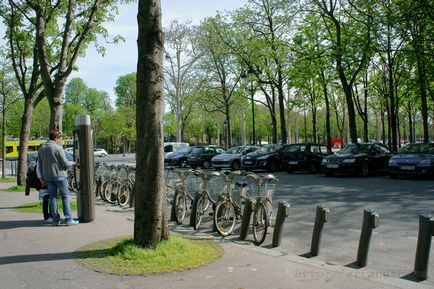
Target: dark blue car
[(415, 159)]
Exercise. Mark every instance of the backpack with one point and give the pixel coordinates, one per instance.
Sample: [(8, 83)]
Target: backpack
[(32, 180)]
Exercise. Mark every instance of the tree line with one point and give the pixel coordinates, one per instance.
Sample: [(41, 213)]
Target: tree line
[(353, 68)]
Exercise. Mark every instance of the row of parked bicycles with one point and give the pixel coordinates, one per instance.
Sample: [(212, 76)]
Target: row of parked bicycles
[(223, 196), (220, 196)]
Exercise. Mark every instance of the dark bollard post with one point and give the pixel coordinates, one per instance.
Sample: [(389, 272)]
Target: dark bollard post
[(370, 222), (282, 213), (322, 216), (131, 202), (426, 231), (248, 207), (85, 196), (193, 209)]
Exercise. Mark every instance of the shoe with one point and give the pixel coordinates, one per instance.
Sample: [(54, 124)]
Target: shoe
[(49, 220), (72, 222), (56, 223)]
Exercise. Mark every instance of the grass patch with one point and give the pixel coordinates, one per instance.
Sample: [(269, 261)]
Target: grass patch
[(15, 189), (8, 180), (121, 256), (36, 207)]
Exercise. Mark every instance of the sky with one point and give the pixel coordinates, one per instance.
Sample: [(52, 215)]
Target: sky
[(101, 72)]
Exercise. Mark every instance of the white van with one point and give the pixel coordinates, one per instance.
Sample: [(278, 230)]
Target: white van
[(171, 147)]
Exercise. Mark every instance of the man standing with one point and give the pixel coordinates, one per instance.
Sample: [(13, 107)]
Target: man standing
[(54, 166)]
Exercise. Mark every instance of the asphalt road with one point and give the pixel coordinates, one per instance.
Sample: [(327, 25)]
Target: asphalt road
[(399, 202)]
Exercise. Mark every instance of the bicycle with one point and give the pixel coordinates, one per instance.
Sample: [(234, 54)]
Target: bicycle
[(181, 195), (227, 210), (203, 198), (262, 206), (127, 184)]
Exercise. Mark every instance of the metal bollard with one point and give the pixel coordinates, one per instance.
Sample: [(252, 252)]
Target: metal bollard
[(193, 209), (248, 207), (282, 213), (322, 216), (426, 231), (370, 222)]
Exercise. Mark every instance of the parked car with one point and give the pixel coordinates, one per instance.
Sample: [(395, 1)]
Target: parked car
[(171, 147), (201, 156), (264, 158), (231, 159), (358, 158), (179, 158), (99, 152), (69, 150), (415, 159), (302, 157)]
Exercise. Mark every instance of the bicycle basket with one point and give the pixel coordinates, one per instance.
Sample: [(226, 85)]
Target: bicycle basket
[(193, 183)]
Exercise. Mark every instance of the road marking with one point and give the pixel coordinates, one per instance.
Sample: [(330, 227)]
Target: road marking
[(358, 231), (306, 223)]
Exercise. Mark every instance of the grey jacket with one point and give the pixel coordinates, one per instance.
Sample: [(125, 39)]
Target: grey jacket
[(51, 158)]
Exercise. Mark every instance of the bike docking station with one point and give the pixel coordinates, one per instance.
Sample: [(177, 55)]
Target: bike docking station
[(245, 221), (322, 216), (282, 213), (426, 231), (371, 221), (85, 166)]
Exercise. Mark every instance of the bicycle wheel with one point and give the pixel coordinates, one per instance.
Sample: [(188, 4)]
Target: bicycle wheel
[(111, 192), (123, 195), (102, 189), (199, 209), (260, 224), (179, 205), (225, 217)]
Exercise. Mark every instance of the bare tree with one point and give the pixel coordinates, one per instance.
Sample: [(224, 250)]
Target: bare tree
[(180, 57)]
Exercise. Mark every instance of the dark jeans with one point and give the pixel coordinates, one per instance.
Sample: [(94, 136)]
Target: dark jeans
[(46, 210)]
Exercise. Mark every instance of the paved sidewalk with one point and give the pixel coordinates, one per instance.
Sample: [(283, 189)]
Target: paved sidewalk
[(37, 256)]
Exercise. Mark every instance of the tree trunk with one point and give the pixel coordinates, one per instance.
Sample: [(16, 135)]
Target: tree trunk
[(150, 223), (328, 122), (421, 82), (4, 141), (281, 97), (26, 123)]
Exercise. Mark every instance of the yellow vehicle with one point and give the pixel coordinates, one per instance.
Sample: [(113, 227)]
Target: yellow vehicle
[(33, 146), (13, 146)]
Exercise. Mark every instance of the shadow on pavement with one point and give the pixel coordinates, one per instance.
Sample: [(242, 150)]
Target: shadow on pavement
[(53, 256), (22, 224)]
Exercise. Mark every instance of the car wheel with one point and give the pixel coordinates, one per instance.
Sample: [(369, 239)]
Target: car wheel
[(393, 176), (364, 170), (183, 163), (329, 174), (102, 155), (312, 169), (272, 167), (236, 165), (206, 165)]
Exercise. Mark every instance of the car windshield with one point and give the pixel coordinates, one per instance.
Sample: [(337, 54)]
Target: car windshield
[(235, 150), (355, 149), (418, 148), (185, 150), (197, 151), (268, 149), (295, 148)]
